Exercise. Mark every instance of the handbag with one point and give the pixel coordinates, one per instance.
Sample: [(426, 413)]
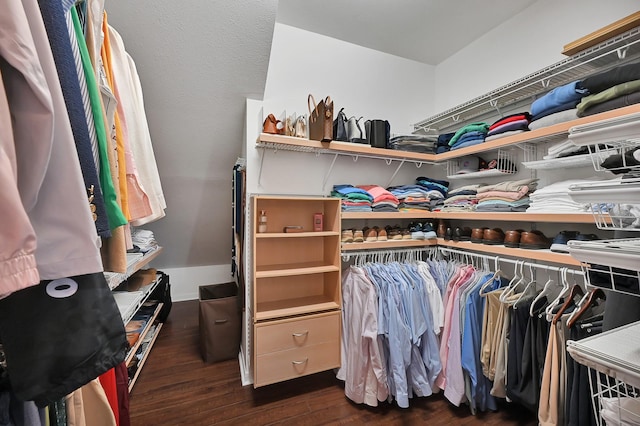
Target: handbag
[(320, 119), (378, 133), (355, 131), (340, 127)]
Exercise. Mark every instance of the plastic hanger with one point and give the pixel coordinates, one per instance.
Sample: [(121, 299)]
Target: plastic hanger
[(563, 292), (527, 287), (587, 301), (518, 276), (496, 274), (576, 290), (546, 290)]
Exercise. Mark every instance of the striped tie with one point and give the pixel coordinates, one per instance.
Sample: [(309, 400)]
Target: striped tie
[(55, 23)]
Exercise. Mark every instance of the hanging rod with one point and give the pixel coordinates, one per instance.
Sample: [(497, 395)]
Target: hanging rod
[(346, 256), (449, 250)]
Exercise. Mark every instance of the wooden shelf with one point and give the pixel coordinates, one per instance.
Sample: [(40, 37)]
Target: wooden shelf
[(145, 356), (496, 216), (296, 234), (375, 245), (546, 133), (292, 307), (518, 216), (147, 327), (387, 215), (115, 279), (285, 270), (542, 255)]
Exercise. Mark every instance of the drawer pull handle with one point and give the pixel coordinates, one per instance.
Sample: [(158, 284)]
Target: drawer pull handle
[(220, 321), (299, 362), (304, 333)]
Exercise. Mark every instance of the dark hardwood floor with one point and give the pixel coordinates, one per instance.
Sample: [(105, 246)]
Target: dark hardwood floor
[(177, 388)]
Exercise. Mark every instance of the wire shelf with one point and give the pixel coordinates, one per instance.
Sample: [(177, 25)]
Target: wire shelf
[(609, 202), (503, 164), (621, 48)]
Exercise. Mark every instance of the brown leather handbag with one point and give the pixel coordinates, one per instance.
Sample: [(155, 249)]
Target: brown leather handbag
[(320, 119)]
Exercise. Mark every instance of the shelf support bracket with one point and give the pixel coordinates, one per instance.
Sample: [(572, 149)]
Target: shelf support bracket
[(326, 176), (455, 118), (261, 163), (545, 82), (394, 173), (622, 52), (494, 104)]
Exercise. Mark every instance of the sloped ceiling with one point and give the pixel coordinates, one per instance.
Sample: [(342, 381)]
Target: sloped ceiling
[(427, 31)]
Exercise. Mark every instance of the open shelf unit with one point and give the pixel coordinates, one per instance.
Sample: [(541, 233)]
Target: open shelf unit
[(135, 262), (296, 281), (496, 216), (156, 332)]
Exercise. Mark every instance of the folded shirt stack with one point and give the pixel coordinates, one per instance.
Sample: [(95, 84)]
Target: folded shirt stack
[(461, 199), (442, 145), (144, 239), (414, 197), (554, 198), (507, 196), (383, 200), (353, 199), (509, 125), (561, 98), (611, 89), (414, 143), (562, 149), (437, 190), (471, 134)]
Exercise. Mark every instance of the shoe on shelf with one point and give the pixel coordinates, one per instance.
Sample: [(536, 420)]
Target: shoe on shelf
[(586, 237), (393, 233), (382, 233), (559, 244), (512, 238), (493, 236), (477, 234), (442, 228), (448, 234), (358, 236), (406, 234), (347, 236), (429, 232), (462, 234), (534, 240), (416, 231), (370, 234)]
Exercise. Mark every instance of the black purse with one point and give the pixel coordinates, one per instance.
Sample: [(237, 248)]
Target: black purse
[(340, 127)]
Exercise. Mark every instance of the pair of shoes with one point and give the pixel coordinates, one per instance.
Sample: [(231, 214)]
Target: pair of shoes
[(493, 236), (382, 233), (421, 231), (395, 233), (273, 125), (346, 236), (534, 240)]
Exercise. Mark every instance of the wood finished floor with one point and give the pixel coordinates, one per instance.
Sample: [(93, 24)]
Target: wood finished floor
[(177, 388)]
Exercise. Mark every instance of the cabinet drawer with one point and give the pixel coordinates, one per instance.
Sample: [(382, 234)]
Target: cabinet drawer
[(289, 364), (297, 333)]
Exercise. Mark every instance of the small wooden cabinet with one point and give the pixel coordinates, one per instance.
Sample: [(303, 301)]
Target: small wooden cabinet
[(296, 288)]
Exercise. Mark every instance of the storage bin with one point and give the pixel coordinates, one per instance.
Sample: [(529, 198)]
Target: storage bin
[(220, 322)]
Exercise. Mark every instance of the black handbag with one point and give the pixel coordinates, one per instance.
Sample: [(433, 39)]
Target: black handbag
[(340, 127), (378, 133), (59, 335)]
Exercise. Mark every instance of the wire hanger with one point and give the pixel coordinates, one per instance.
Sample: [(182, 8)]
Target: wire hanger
[(518, 276), (496, 274), (575, 291)]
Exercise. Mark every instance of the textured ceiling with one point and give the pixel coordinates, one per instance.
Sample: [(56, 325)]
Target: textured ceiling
[(427, 31)]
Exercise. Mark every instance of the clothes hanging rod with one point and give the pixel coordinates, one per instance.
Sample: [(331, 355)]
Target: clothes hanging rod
[(510, 261), (377, 253)]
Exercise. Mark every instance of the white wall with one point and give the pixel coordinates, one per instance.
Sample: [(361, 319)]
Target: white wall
[(364, 81), (529, 41)]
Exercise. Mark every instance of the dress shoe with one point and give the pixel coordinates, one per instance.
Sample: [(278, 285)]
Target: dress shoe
[(477, 234), (448, 234), (442, 228), (534, 240), (493, 236), (462, 234), (512, 238), (560, 241)]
